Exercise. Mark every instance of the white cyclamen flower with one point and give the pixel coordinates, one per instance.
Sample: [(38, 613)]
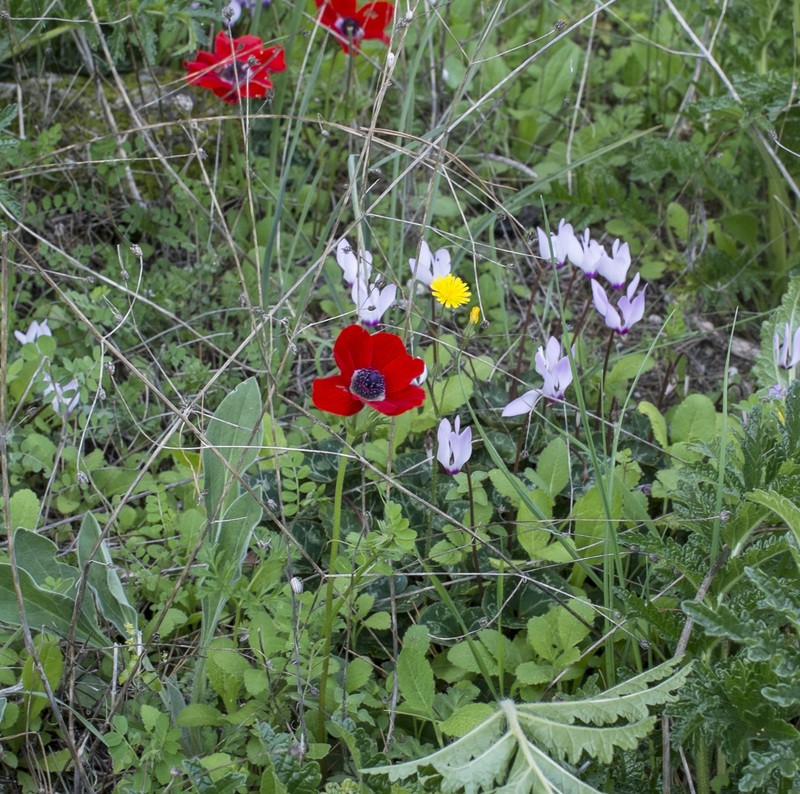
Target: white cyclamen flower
[(455, 447), (587, 255), (564, 244), (614, 268), (63, 398), (34, 332), (371, 302), (353, 266), (556, 373), (430, 266), (629, 309), (787, 352)]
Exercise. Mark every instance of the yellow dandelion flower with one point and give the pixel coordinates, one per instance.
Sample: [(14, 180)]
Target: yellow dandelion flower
[(475, 315), (451, 291)]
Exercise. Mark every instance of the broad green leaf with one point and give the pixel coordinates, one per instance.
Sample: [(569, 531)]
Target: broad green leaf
[(466, 718), (452, 392), (695, 419), (233, 432), (52, 662), (37, 555), (46, 610), (414, 673), (198, 715), (553, 466), (103, 578)]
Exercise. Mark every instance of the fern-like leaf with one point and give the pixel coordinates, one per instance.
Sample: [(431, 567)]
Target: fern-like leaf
[(524, 758)]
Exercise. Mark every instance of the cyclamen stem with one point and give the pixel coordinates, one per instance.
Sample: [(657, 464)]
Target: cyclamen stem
[(474, 542), (603, 379), (329, 589)]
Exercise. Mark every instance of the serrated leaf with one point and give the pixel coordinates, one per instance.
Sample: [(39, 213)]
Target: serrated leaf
[(198, 715), (466, 718), (150, 717), (657, 422), (414, 673), (780, 505)]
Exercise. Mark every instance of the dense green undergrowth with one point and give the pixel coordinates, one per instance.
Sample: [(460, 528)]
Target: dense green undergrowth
[(207, 584)]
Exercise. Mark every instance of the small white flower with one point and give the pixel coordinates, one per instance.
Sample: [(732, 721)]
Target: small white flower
[(556, 373), (63, 400), (34, 332), (629, 309), (296, 585), (455, 448), (371, 303), (587, 255), (420, 379), (430, 266), (614, 268), (564, 244), (353, 266)]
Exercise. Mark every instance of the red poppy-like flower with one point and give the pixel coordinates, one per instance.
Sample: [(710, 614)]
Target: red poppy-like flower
[(238, 68), (350, 26), (375, 370)]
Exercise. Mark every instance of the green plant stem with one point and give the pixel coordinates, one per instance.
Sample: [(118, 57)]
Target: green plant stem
[(473, 541), (329, 588)]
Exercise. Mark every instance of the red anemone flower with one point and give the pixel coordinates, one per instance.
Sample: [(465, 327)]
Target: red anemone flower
[(349, 25), (375, 370), (238, 68)]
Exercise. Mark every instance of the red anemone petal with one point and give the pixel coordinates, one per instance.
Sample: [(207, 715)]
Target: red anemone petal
[(273, 59), (342, 8), (400, 402), (223, 45), (399, 373), (374, 17), (209, 80), (332, 394), (385, 349), (352, 350)]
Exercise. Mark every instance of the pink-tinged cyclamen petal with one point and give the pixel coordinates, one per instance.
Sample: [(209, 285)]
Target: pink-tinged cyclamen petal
[(524, 404)]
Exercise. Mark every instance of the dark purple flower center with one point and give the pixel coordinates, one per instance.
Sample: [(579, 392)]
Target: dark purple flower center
[(368, 384), (349, 28), (236, 73)]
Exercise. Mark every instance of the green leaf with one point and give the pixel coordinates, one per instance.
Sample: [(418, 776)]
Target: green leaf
[(103, 578), (25, 509), (37, 555), (414, 673), (491, 759), (657, 422), (465, 718), (151, 716), (695, 419), (780, 505), (553, 466), (451, 393), (199, 715), (233, 434), (46, 610)]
